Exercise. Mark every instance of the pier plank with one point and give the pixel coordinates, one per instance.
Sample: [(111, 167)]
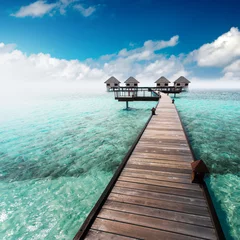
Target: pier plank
[(159, 161), (155, 173), (136, 231), (162, 196), (162, 189), (160, 183), (160, 168), (180, 207), (99, 235), (127, 173), (159, 213), (153, 198), (163, 157), (156, 223)]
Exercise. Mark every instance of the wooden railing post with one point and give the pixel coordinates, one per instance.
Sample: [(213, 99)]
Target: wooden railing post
[(199, 169)]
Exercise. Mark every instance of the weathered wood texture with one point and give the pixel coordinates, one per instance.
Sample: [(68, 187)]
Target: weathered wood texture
[(154, 198)]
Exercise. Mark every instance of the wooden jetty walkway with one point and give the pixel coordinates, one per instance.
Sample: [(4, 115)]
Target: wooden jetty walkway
[(153, 197)]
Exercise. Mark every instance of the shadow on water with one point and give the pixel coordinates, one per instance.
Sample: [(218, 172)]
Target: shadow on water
[(96, 148), (129, 109), (21, 169)]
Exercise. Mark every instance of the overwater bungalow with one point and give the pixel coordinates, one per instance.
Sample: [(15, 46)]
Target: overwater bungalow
[(112, 82), (182, 82), (162, 82), (131, 82)]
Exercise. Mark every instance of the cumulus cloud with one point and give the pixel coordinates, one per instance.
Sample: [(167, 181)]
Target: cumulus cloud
[(6, 48), (147, 51), (137, 61), (171, 68), (19, 69), (42, 7), (234, 67), (143, 62), (146, 63), (42, 67), (220, 52), (29, 75), (232, 71)]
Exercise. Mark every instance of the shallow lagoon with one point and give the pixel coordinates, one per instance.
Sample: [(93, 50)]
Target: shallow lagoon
[(212, 121), (57, 154)]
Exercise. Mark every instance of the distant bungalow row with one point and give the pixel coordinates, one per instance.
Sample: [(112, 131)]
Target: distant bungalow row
[(112, 82)]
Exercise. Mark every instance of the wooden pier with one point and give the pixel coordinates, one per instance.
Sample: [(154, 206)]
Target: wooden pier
[(167, 89), (151, 195)]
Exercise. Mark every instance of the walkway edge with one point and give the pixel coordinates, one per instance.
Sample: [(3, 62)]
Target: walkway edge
[(96, 209), (207, 196)]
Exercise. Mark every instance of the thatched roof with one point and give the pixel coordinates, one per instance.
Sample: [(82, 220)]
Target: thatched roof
[(162, 80), (112, 80), (131, 80), (182, 80)]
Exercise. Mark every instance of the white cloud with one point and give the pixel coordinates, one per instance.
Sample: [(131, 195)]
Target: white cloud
[(36, 9), (232, 71), (125, 58), (143, 62), (6, 48), (234, 67), (219, 53), (157, 45), (24, 75), (107, 57), (147, 51), (20, 70), (42, 7), (171, 68), (86, 12)]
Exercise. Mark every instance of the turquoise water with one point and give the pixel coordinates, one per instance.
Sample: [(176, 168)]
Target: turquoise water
[(57, 155), (212, 121)]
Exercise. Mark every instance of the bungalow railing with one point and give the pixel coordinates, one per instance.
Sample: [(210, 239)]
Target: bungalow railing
[(134, 93), (144, 91)]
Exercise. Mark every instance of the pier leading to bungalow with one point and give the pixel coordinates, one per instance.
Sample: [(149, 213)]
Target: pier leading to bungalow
[(131, 94), (144, 90), (151, 195)]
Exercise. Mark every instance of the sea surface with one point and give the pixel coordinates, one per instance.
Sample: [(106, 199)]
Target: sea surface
[(57, 154), (212, 121)]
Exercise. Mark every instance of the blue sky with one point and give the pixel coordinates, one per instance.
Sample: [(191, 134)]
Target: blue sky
[(117, 23), (81, 29)]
